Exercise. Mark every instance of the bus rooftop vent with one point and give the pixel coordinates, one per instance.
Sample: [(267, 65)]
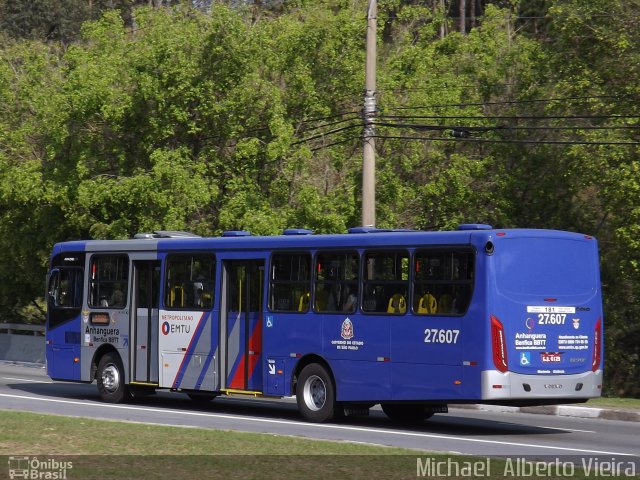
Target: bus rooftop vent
[(380, 230), (174, 234), (367, 230), (236, 233), (474, 226), (297, 231), (165, 234)]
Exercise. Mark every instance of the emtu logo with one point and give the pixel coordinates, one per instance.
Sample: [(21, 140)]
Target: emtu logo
[(166, 328)]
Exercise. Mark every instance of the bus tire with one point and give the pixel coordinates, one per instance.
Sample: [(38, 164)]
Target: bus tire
[(316, 394), (406, 413), (111, 381)]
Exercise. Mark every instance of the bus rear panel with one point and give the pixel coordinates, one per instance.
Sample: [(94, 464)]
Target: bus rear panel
[(545, 316)]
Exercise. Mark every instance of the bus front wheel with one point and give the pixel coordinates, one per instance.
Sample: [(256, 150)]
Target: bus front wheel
[(111, 382), (315, 394)]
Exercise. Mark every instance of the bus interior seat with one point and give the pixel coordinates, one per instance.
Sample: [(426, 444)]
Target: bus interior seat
[(321, 298), (369, 304), (397, 304), (445, 303), (206, 300), (303, 304), (427, 304), (176, 296), (283, 303)]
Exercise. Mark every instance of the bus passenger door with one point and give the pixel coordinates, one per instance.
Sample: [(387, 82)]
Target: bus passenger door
[(242, 300), (144, 335)]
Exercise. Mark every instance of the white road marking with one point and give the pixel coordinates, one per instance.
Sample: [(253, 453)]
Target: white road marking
[(311, 425), (557, 429), (26, 380), (562, 428)]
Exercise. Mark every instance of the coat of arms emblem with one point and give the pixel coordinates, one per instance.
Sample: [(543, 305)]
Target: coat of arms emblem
[(347, 329)]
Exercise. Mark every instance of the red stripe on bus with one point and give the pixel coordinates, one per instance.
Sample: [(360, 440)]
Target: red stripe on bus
[(255, 345)]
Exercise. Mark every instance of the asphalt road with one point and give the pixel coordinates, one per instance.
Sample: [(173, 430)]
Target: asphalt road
[(460, 431)]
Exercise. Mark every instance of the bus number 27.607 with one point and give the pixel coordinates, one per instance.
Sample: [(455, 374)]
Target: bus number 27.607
[(438, 335)]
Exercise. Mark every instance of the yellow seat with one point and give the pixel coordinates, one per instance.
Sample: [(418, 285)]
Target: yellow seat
[(176, 297), (397, 304), (445, 303), (206, 300), (303, 304), (427, 304), (322, 297)]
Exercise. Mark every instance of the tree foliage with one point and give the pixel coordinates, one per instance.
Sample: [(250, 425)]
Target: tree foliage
[(140, 116)]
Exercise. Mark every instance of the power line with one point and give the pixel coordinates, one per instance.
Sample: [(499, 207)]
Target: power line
[(467, 129), (337, 130), (506, 102), (337, 122), (576, 127), (486, 140), (505, 127), (509, 117), (481, 17), (328, 117), (335, 143)]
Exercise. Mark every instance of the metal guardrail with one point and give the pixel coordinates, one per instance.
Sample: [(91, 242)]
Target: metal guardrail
[(12, 328)]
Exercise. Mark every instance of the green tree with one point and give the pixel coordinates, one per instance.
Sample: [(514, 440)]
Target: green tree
[(246, 115)]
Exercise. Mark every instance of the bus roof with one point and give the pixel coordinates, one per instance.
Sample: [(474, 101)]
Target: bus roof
[(360, 237)]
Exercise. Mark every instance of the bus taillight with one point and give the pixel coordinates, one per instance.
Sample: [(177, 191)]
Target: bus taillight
[(597, 346), (498, 345)]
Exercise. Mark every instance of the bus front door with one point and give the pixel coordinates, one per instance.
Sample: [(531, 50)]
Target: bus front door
[(242, 294), (144, 335)]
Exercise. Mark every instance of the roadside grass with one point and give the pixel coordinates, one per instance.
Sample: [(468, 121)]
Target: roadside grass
[(27, 433), (614, 402), (102, 449)]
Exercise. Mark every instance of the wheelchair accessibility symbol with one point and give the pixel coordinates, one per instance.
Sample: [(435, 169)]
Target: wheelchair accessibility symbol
[(525, 359)]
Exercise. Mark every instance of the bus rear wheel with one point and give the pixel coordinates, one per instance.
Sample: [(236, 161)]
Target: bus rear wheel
[(316, 395), (406, 413), (110, 376)]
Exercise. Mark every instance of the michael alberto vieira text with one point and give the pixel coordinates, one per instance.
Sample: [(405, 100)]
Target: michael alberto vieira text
[(521, 467)]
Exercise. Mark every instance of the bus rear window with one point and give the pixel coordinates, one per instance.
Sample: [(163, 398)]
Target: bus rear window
[(545, 267)]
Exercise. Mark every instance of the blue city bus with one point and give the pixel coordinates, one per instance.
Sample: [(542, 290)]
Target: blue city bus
[(410, 320)]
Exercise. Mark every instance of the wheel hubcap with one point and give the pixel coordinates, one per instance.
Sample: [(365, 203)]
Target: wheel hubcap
[(315, 393), (111, 378)]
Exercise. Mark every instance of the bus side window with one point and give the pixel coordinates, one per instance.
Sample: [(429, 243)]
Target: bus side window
[(189, 281), (336, 285), (386, 282), (108, 281), (442, 281), (289, 282)]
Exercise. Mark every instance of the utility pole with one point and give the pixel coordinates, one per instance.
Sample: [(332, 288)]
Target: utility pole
[(369, 111)]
